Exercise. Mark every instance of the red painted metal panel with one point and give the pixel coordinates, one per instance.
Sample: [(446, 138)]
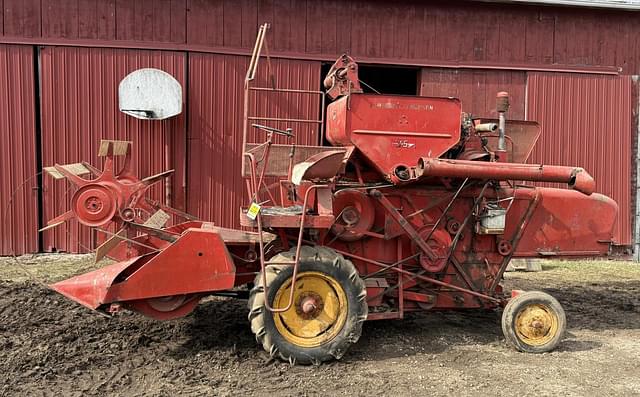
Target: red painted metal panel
[(586, 122), (216, 188), (60, 19), (315, 26), (539, 38), (22, 18), (97, 19), (151, 20), (205, 22), (422, 26), (19, 225), (329, 34), (233, 32), (365, 121), (477, 89), (80, 106)]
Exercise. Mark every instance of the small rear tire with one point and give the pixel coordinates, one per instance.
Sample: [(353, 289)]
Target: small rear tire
[(328, 309), (533, 322)]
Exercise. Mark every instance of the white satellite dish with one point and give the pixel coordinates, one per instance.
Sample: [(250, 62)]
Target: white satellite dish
[(150, 94)]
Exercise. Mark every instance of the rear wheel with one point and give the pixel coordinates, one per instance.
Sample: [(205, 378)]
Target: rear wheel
[(533, 322), (328, 307)]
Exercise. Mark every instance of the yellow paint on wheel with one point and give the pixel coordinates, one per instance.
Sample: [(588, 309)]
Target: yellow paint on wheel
[(319, 327), (536, 324)]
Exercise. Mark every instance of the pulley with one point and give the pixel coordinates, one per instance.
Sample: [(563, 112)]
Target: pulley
[(440, 242), (354, 212)]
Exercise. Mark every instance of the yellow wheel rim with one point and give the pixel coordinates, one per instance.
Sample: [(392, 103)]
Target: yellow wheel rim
[(536, 324), (318, 312)]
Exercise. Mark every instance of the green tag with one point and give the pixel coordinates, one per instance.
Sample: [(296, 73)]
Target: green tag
[(252, 213)]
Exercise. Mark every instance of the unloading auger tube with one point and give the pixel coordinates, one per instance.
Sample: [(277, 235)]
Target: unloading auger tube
[(575, 177)]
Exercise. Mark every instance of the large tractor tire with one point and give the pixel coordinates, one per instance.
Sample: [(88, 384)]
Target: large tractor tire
[(533, 322), (328, 309)]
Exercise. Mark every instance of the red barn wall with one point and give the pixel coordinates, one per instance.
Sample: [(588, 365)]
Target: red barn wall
[(477, 89), (467, 49)]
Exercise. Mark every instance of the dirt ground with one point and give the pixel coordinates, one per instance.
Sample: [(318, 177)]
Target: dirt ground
[(51, 346)]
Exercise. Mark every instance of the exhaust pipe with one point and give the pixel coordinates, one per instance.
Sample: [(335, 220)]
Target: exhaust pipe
[(486, 127), (502, 105)]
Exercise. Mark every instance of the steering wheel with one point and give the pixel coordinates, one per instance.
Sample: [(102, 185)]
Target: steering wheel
[(288, 132)]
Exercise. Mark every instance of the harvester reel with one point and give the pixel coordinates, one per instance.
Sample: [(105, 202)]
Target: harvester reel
[(113, 197), (110, 196)]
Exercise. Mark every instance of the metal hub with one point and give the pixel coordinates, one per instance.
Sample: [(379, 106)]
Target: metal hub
[(111, 195), (504, 247), (94, 204), (319, 311), (309, 305), (128, 214), (350, 215), (536, 324)]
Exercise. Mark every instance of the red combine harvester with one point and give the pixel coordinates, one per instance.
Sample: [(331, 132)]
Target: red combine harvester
[(415, 206)]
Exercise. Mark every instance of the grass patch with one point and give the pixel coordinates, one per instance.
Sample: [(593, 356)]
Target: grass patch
[(49, 268), (46, 268), (583, 270)]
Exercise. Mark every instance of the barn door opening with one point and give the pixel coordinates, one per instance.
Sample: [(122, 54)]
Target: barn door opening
[(389, 79), (383, 79)]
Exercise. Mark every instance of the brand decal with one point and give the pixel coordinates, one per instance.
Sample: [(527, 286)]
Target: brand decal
[(403, 144), (396, 105)]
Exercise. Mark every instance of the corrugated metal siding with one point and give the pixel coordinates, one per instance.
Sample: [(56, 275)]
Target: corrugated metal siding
[(216, 189), (388, 31), (586, 122), (80, 107), (19, 225), (477, 89)]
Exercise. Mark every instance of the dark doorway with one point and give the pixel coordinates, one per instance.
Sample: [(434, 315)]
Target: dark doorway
[(396, 80)]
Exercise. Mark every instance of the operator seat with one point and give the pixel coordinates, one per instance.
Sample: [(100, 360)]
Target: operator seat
[(320, 166)]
